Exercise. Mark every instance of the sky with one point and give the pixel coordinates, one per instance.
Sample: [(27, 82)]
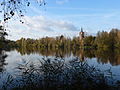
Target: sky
[(66, 17)]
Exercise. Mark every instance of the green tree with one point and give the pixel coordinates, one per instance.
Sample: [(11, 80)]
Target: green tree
[(115, 37), (89, 41), (2, 36), (103, 40)]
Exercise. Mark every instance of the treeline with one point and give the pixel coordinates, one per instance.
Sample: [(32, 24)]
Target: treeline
[(59, 42), (5, 44), (105, 40), (108, 39)]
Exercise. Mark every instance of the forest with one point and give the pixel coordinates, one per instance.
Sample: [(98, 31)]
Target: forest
[(105, 40)]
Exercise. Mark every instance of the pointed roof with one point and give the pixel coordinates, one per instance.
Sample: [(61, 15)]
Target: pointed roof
[(81, 29)]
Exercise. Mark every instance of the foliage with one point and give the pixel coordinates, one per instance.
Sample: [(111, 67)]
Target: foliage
[(4, 43), (2, 33), (49, 43), (2, 36), (105, 40), (55, 73), (89, 41), (109, 40), (10, 8)]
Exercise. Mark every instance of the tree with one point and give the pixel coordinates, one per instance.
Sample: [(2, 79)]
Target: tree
[(2, 36), (10, 7), (103, 40), (89, 41), (2, 33)]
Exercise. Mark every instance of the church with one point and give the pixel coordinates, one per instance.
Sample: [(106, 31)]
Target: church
[(81, 34)]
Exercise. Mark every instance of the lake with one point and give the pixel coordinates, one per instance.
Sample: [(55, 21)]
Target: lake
[(17, 65)]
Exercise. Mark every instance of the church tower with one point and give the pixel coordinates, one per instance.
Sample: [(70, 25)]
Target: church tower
[(81, 34)]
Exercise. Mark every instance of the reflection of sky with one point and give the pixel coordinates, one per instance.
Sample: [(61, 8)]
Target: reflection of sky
[(14, 59), (114, 69), (66, 17)]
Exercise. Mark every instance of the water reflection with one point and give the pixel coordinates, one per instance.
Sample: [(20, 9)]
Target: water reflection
[(108, 56), (56, 73), (103, 56), (2, 60)]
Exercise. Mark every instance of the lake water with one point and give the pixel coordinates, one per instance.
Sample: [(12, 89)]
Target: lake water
[(10, 69)]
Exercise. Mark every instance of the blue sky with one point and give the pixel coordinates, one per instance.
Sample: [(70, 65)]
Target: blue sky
[(67, 17)]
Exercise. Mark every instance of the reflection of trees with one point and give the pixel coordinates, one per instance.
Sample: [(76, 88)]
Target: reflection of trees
[(111, 56), (46, 52), (103, 56), (79, 53), (2, 60)]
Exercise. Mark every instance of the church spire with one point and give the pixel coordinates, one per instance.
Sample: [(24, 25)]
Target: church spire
[(81, 29), (81, 34)]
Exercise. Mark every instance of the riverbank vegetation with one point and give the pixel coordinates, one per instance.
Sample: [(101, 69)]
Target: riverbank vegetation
[(104, 40), (5, 44), (56, 74)]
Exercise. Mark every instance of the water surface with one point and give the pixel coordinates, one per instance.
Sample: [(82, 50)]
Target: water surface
[(9, 65)]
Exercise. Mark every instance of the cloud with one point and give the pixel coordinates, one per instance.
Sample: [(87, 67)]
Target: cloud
[(41, 23), (39, 26)]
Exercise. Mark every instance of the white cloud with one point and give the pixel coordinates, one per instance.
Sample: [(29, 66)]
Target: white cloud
[(41, 23), (40, 26)]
